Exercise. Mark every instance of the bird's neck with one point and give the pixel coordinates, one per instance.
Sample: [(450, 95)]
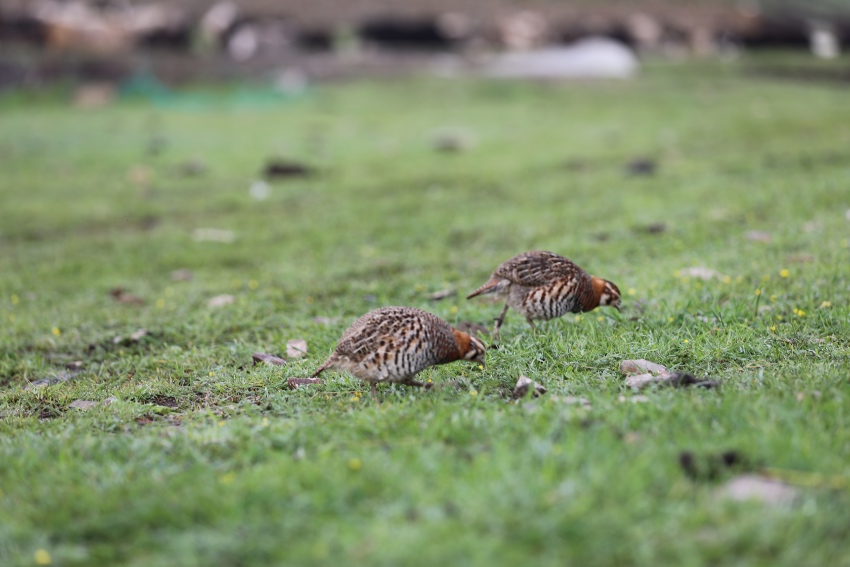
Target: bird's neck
[(597, 288)]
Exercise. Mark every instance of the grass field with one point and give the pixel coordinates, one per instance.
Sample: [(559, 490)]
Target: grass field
[(204, 459)]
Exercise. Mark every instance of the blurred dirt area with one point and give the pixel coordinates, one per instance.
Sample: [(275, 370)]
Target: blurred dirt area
[(178, 41)]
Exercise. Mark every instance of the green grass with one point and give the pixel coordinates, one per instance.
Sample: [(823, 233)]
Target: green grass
[(205, 460)]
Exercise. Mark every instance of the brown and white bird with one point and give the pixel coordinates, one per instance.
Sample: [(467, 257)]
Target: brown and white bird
[(392, 344), (543, 285)]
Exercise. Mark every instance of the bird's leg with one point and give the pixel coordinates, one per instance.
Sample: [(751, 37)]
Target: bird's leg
[(499, 320), (533, 328), (375, 393)]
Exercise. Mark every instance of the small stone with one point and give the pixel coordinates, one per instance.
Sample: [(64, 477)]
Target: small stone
[(138, 335), (298, 382), (221, 300), (269, 359), (296, 348), (524, 384), (83, 404), (641, 366), (754, 487), (640, 381)]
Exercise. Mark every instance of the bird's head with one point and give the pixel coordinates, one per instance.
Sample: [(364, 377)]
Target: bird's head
[(607, 293), (470, 348)]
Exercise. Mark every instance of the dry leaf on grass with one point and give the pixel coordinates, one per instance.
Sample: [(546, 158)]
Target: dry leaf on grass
[(524, 384), (270, 359), (296, 348), (121, 295), (296, 382)]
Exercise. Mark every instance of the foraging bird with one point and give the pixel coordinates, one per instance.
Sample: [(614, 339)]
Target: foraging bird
[(542, 286), (392, 344)]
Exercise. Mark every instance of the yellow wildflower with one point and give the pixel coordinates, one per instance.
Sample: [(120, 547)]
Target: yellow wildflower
[(355, 464), (784, 272), (253, 284), (42, 557), (825, 304), (56, 331), (15, 299)]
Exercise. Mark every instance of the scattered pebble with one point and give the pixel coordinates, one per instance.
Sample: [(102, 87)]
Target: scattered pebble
[(133, 338), (57, 379), (754, 487), (296, 382), (83, 404), (296, 348), (640, 366), (524, 384), (259, 190), (221, 300), (270, 359)]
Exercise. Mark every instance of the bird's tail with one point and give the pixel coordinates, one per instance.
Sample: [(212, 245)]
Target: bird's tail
[(493, 285)]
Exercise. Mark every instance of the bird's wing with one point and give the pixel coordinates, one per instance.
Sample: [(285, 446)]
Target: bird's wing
[(536, 268)]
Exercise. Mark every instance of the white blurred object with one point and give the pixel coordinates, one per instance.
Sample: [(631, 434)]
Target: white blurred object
[(244, 43), (217, 20), (259, 190), (588, 58), (291, 81), (213, 235), (823, 40)]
